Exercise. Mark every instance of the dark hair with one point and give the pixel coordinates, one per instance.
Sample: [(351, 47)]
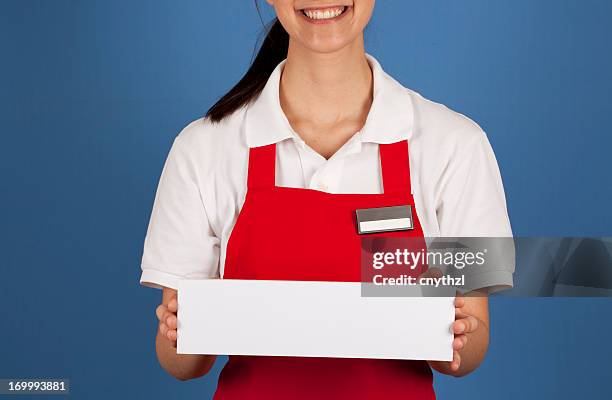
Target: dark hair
[(273, 50)]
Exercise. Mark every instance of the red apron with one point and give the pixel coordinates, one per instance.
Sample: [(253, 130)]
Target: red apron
[(303, 234)]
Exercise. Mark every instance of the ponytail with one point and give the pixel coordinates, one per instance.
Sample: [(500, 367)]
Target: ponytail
[(273, 50)]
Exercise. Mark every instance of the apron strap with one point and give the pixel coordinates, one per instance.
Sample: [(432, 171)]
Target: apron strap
[(395, 164), (262, 167), (394, 161)]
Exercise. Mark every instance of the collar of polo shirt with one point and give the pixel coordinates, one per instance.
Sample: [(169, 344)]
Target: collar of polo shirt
[(390, 118)]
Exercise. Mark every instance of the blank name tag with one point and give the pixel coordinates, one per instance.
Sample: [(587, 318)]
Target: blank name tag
[(384, 219)]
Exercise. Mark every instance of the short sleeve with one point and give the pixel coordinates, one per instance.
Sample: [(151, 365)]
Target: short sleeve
[(180, 243), (472, 204)]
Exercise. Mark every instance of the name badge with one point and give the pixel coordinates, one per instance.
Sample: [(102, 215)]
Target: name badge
[(384, 219)]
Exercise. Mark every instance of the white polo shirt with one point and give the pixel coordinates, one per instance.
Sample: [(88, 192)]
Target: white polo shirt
[(455, 178)]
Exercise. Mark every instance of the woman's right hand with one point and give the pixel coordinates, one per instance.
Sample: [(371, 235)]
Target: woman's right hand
[(166, 314), (181, 366)]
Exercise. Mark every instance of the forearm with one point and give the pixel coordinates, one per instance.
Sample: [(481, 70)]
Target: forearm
[(181, 366)]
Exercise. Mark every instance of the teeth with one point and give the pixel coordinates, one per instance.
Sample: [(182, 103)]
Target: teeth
[(324, 14)]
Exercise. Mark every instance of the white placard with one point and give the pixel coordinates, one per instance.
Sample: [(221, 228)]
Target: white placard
[(310, 319)]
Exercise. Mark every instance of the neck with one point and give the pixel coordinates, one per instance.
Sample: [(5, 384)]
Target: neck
[(326, 88)]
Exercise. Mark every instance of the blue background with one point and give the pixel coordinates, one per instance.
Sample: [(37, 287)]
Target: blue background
[(93, 93)]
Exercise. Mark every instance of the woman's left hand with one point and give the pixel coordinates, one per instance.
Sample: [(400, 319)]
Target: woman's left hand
[(470, 313), (464, 324)]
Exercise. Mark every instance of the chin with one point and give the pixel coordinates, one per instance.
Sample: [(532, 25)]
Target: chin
[(326, 44)]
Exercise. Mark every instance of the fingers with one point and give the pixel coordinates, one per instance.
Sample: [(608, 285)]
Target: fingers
[(166, 332), (171, 335), (459, 342), (173, 305), (459, 314), (166, 314), (459, 301), (163, 329), (171, 321), (464, 325), (167, 328), (160, 311), (456, 363)]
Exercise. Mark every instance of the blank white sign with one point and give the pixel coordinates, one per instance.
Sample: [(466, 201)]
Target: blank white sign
[(310, 319)]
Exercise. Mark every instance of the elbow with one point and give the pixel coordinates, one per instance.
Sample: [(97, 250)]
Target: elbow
[(473, 361), (186, 375), (462, 373), (195, 368), (182, 378)]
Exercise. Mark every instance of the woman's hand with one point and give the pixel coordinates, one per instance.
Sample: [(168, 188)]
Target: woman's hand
[(166, 314), (464, 324), (181, 366), (471, 332)]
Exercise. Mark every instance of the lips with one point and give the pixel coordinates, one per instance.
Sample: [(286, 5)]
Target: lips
[(321, 14), (324, 13)]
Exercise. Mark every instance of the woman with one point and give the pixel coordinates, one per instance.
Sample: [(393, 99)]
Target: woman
[(315, 130)]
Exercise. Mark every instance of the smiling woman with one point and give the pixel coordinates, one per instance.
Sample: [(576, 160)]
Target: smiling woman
[(316, 125)]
